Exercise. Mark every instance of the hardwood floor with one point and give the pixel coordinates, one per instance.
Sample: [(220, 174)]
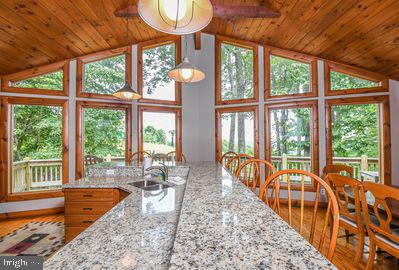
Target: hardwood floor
[(343, 257)]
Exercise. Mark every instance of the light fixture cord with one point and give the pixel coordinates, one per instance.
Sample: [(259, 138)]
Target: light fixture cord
[(185, 48)]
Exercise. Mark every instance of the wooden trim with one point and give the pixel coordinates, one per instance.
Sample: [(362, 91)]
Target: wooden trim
[(197, 41), (94, 57), (218, 127), (31, 213), (159, 109), (355, 72), (152, 44), (310, 60), (6, 81), (80, 106), (218, 65), (6, 165), (385, 130), (314, 121)]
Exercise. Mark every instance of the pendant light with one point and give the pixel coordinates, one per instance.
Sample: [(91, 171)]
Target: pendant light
[(127, 92), (176, 17), (185, 71)]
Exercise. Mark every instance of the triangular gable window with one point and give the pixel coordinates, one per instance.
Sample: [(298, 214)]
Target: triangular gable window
[(341, 81), (49, 81)]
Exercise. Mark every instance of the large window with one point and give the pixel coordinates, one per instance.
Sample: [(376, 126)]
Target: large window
[(46, 80), (292, 136), (289, 75), (155, 61), (105, 131), (101, 74), (35, 146), (236, 71), (357, 136), (341, 79), (237, 130), (160, 129)]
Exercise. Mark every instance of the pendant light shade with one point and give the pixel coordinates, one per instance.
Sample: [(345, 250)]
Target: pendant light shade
[(186, 72), (177, 17), (127, 92)]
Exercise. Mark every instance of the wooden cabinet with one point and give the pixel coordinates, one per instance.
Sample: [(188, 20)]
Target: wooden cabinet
[(84, 206)]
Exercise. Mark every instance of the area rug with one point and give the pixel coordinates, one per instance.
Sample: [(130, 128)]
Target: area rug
[(34, 239)]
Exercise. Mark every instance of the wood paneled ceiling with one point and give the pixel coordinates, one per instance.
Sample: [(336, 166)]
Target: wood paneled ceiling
[(361, 33)]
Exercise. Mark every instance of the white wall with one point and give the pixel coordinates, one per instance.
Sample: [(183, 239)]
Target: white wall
[(198, 117)]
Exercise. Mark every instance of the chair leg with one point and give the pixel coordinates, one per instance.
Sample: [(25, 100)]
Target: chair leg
[(370, 262), (360, 248)]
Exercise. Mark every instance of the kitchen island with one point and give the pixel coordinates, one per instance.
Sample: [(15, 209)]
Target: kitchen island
[(212, 222)]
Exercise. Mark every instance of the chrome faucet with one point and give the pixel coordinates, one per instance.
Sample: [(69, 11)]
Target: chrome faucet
[(162, 167)]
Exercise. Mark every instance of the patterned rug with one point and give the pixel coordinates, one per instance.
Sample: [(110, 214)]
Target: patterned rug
[(34, 239)]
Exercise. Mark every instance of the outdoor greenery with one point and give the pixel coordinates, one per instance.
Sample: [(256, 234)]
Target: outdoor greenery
[(343, 81), (50, 81)]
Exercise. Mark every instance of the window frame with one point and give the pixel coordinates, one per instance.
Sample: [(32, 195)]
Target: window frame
[(314, 136), (142, 46), (384, 130), (95, 57), (218, 66), (160, 109), (6, 194), (299, 57), (6, 81), (355, 72), (218, 127), (80, 106)]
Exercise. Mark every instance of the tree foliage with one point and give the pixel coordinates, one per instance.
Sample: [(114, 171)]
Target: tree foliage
[(343, 81), (49, 81)]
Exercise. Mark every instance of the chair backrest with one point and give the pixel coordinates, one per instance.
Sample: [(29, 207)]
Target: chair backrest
[(249, 172), (383, 197), (337, 169), (91, 160), (159, 158), (342, 186), (226, 157), (236, 161), (173, 156), (140, 155), (273, 186)]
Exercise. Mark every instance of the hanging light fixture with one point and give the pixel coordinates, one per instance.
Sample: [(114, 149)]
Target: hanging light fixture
[(127, 92), (185, 71), (176, 17)]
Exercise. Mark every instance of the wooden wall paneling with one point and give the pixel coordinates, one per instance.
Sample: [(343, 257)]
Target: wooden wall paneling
[(6, 165), (218, 65), (310, 60), (80, 106), (156, 43), (384, 132), (218, 127)]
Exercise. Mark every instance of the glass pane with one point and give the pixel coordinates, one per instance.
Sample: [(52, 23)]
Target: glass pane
[(104, 134), (342, 81), (288, 76), (159, 132), (105, 76), (238, 132), (291, 140), (157, 62), (237, 78), (36, 148), (50, 81), (355, 138)]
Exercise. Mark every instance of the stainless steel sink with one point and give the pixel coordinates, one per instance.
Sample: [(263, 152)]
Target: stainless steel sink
[(149, 185), (155, 187)]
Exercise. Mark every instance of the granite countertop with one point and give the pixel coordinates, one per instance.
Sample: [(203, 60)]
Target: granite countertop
[(212, 222)]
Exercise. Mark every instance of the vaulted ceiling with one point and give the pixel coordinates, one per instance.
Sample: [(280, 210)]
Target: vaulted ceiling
[(360, 33)]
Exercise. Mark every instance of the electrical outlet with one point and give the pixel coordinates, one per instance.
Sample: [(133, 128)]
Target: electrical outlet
[(110, 172), (322, 191)]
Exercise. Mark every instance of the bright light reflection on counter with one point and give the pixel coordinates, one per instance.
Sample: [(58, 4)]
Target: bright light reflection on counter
[(160, 201), (227, 183)]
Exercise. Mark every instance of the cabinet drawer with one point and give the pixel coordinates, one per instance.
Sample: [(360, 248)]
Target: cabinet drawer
[(80, 220), (89, 195), (72, 232), (87, 208)]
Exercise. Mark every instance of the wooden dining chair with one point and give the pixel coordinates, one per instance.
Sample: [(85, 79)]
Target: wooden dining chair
[(270, 194), (349, 220), (235, 162), (139, 156), (92, 160), (173, 156), (380, 232), (226, 157), (249, 172), (337, 169), (159, 158)]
